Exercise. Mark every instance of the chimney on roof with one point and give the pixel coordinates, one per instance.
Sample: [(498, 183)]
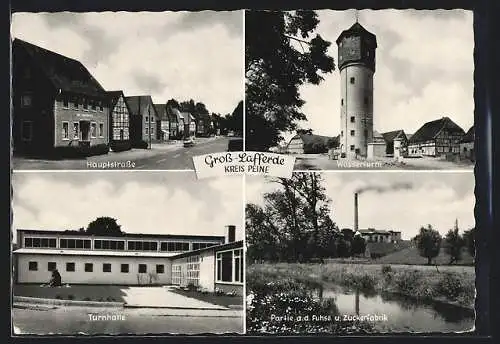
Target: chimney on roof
[(355, 212), (231, 233)]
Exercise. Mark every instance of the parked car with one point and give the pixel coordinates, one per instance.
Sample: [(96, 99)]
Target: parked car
[(188, 142)]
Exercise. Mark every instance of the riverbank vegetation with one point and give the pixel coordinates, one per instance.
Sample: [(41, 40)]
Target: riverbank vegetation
[(453, 284)]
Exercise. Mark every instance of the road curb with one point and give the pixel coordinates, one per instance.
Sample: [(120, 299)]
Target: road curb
[(42, 301)]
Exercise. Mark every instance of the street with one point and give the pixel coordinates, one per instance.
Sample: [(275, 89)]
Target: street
[(77, 320), (161, 156)]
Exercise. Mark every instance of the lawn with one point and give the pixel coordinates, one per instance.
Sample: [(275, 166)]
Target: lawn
[(100, 293), (220, 300)]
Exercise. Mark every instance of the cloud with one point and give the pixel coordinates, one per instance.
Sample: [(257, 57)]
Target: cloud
[(167, 54), (154, 203), (424, 69), (437, 199)]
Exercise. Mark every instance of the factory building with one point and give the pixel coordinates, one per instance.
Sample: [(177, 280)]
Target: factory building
[(208, 262)]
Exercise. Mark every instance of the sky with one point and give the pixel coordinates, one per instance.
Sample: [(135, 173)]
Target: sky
[(424, 69), (141, 202), (434, 198), (180, 55)]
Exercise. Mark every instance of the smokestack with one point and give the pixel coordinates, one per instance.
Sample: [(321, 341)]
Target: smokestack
[(231, 233), (355, 212)]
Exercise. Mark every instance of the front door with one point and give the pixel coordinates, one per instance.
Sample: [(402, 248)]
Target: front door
[(84, 130)]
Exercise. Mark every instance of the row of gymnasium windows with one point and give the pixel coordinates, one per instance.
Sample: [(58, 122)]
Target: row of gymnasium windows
[(89, 267), (166, 246)]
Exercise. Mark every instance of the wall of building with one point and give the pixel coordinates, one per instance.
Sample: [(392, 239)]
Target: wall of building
[(467, 150), (376, 150), (70, 115), (79, 276), (357, 101), (119, 121), (422, 149), (207, 270), (296, 146)]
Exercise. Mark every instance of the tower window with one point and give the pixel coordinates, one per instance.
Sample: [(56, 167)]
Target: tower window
[(352, 80), (352, 148), (352, 119), (342, 133), (342, 101), (366, 100), (352, 133)]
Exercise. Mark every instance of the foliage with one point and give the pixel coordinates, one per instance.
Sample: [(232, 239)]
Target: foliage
[(104, 226), (450, 285), (277, 64), (358, 245), (386, 269), (294, 223), (454, 245), (428, 243), (469, 238)]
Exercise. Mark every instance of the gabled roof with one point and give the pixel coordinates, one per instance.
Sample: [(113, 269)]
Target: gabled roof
[(469, 136), (114, 96), (312, 139), (357, 30), (64, 73), (142, 102), (161, 110), (430, 130), (392, 135)]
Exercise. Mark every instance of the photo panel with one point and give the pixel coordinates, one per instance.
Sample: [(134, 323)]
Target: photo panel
[(127, 253), (125, 90), (360, 253), (362, 90)]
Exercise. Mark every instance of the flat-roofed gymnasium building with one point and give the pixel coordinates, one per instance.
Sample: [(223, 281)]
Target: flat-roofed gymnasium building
[(208, 262)]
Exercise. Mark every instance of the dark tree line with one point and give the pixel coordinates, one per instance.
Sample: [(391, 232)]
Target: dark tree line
[(295, 225)]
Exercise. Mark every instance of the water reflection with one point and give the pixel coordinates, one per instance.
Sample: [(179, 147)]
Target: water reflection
[(403, 313)]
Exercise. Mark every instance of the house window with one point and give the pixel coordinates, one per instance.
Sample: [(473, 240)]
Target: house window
[(51, 266), (76, 129), (76, 104), (93, 130), (101, 129), (229, 267), (33, 266), (106, 267), (142, 268), (94, 107), (65, 130), (124, 268), (65, 103), (26, 100), (352, 147), (160, 268), (85, 105), (70, 267), (353, 119), (352, 132), (27, 130), (89, 267), (146, 131), (352, 80)]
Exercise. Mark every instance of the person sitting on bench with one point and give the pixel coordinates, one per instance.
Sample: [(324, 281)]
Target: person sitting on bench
[(55, 281)]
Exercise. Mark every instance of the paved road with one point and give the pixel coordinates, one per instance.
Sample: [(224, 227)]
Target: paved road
[(74, 320), (162, 156)]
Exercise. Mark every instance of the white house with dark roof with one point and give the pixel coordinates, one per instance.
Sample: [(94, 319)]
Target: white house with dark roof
[(208, 262)]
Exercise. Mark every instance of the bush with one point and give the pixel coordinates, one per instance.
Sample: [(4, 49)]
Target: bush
[(386, 269), (120, 146), (191, 287), (75, 152), (140, 145), (71, 297), (450, 286), (58, 297), (407, 281), (87, 299)]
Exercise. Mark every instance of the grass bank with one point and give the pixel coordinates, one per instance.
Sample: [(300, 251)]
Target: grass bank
[(450, 284)]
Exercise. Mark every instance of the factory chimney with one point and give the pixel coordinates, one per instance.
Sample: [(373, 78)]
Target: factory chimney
[(355, 212), (231, 233)]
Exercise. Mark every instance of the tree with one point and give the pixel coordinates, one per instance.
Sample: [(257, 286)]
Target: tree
[(469, 237), (428, 243), (104, 226), (454, 244), (294, 221), (172, 104), (234, 121), (280, 56), (358, 245)]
